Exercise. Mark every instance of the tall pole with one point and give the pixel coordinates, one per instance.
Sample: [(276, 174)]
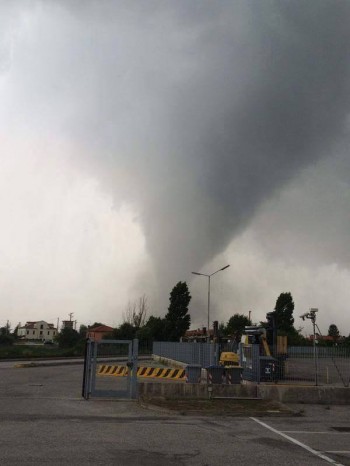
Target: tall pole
[(209, 275), (315, 350), (208, 338), (312, 316)]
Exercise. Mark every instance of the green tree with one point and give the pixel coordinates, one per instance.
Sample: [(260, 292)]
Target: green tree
[(144, 334), (15, 331), (6, 329), (333, 331), (82, 331), (125, 331), (297, 339), (96, 324), (235, 326), (157, 328), (222, 328), (5, 338), (68, 338), (178, 320), (284, 314)]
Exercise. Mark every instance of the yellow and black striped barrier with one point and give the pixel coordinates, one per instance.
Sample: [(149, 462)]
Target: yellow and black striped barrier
[(151, 372), (162, 373), (117, 371)]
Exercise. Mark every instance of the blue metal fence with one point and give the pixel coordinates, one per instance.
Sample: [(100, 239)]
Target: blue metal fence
[(319, 366), (300, 365), (205, 354)]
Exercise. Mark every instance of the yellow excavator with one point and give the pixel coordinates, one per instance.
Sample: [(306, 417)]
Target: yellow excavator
[(258, 335), (255, 335), (229, 359)]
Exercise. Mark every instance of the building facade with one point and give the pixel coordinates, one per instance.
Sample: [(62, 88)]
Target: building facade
[(39, 330), (97, 333)]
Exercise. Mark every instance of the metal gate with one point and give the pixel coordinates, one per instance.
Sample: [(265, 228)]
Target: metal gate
[(249, 360), (123, 354)]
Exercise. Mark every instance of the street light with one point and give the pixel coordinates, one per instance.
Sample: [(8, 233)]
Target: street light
[(209, 275)]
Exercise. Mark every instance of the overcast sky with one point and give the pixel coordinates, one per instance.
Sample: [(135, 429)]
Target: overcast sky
[(141, 141)]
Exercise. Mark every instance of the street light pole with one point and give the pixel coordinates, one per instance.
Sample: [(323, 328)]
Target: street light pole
[(208, 307), (209, 276)]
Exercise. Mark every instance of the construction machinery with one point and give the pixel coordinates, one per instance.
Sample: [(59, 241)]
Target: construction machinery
[(259, 336), (229, 359), (265, 350)]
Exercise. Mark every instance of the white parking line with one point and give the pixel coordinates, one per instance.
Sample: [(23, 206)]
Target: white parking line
[(312, 432), (337, 451), (302, 445)]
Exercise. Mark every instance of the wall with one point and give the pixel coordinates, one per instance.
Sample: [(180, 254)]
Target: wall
[(303, 395)]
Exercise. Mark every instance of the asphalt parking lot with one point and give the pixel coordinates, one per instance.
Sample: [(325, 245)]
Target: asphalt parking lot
[(45, 421)]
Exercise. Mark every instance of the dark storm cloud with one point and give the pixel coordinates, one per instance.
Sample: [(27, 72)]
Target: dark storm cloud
[(196, 111), (243, 96), (264, 93), (294, 97)]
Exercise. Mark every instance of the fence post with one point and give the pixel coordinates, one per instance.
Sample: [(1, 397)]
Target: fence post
[(86, 374), (212, 354), (316, 363), (134, 360), (216, 354), (256, 362)]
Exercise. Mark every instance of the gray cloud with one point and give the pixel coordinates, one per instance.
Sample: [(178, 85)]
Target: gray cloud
[(196, 112), (226, 108)]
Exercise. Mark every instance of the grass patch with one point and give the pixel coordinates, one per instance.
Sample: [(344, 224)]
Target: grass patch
[(31, 352), (227, 407)]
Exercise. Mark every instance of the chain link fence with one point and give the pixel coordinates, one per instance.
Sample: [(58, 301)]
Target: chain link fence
[(307, 365), (300, 365)]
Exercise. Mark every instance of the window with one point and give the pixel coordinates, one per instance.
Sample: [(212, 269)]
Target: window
[(27, 332), (41, 332), (33, 332), (48, 332), (41, 326)]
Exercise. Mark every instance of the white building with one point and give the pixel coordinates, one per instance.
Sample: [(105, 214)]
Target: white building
[(40, 330)]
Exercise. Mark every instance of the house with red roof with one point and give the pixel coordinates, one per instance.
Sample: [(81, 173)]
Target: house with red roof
[(99, 332)]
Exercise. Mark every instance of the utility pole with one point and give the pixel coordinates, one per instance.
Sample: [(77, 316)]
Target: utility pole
[(70, 315)]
